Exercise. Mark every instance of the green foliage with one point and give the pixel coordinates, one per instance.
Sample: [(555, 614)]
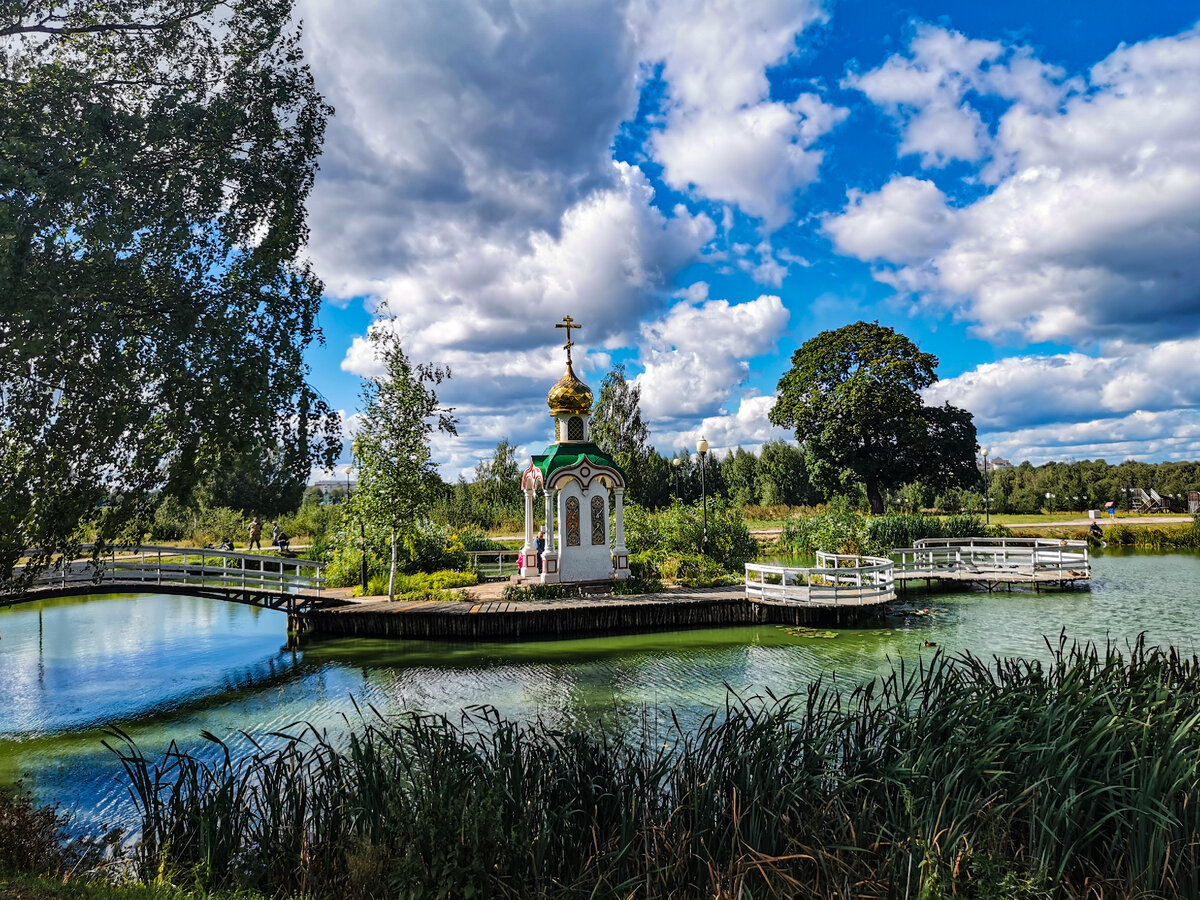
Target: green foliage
[(853, 398), (636, 585), (318, 522), (31, 836), (840, 529), (515, 593), (678, 530), (425, 585), (157, 160), (957, 777), (687, 569), (400, 412)]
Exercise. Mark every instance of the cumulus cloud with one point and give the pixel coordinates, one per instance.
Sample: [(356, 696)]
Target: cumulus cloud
[(724, 138), (906, 221), (1166, 435), (698, 354), (1090, 231), (928, 91), (1074, 387), (747, 427)]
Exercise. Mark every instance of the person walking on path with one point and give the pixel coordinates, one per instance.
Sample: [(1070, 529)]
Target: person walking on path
[(255, 535), (540, 544), (275, 533)]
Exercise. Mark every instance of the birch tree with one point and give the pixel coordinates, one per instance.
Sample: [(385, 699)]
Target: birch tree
[(392, 451)]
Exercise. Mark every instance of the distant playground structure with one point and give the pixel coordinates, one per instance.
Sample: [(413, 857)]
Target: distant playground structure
[(1150, 501)]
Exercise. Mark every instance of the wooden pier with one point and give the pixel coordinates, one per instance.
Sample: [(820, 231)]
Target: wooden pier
[(546, 619), (994, 562)]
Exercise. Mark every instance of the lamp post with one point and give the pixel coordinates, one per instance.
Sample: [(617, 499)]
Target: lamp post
[(362, 535), (675, 464), (702, 449), (987, 506)]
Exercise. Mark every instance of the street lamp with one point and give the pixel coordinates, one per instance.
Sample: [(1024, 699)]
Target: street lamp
[(362, 535), (675, 464), (987, 507), (702, 449)]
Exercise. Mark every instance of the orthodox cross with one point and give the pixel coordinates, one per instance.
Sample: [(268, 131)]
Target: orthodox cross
[(568, 323)]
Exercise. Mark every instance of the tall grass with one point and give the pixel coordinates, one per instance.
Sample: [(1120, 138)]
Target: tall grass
[(956, 776)]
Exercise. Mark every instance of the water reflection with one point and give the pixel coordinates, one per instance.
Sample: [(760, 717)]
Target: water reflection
[(166, 668)]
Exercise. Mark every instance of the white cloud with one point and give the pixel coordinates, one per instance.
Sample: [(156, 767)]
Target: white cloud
[(928, 91), (907, 220), (1090, 233), (724, 138), (699, 353), (1074, 387), (748, 428), (1166, 435)]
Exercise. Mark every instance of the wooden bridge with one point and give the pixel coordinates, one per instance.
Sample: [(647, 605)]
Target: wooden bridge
[(991, 562), (837, 580), (256, 579)]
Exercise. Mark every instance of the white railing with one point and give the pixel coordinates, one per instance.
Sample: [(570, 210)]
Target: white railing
[(1040, 559), (836, 580), (493, 562), (186, 565)]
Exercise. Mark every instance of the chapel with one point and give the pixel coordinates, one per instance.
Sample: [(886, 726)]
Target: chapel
[(577, 480)]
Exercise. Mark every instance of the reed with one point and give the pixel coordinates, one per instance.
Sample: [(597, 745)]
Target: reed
[(952, 777)]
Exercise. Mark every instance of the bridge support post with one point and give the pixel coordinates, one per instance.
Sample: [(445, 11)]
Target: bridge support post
[(298, 623)]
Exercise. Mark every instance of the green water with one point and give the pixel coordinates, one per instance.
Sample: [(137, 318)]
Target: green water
[(165, 668)]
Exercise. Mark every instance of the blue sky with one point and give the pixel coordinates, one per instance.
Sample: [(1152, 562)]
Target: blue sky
[(705, 186)]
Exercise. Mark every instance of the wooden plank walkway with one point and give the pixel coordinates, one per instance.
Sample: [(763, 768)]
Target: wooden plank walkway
[(499, 620)]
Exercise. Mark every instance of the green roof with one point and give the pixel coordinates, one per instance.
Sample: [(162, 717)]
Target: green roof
[(568, 455)]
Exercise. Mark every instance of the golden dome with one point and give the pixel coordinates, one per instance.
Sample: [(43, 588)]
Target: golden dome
[(570, 395)]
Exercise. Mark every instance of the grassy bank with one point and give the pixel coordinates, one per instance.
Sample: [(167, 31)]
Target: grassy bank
[(1142, 536), (954, 778)]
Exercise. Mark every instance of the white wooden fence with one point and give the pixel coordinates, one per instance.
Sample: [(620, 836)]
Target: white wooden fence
[(199, 567), (836, 580), (995, 559)]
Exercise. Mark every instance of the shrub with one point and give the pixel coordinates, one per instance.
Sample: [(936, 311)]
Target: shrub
[(679, 530), (217, 524), (171, 521), (433, 584), (636, 585), (31, 837)]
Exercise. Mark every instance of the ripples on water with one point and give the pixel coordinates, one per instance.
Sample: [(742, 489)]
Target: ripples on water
[(164, 668)]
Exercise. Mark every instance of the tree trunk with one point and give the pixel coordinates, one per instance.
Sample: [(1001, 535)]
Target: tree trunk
[(392, 570), (874, 497)]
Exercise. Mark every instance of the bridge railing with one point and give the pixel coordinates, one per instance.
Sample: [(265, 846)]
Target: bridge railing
[(836, 580), (494, 563), (1046, 559), (201, 567)]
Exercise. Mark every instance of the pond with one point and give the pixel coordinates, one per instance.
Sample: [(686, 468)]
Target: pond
[(166, 668)]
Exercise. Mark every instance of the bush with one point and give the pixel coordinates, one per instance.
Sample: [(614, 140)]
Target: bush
[(678, 530), (436, 585), (635, 585), (219, 524), (31, 837), (839, 529), (171, 521), (316, 521), (688, 569)]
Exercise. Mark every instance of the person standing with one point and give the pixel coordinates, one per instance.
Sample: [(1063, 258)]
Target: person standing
[(275, 533), (255, 535), (540, 545)]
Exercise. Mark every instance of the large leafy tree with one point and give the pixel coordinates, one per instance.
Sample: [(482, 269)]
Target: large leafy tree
[(155, 161), (396, 473), (853, 398), (618, 429)]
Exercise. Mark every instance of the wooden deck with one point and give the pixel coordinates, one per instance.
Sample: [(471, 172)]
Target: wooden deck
[(995, 562), (541, 619)]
